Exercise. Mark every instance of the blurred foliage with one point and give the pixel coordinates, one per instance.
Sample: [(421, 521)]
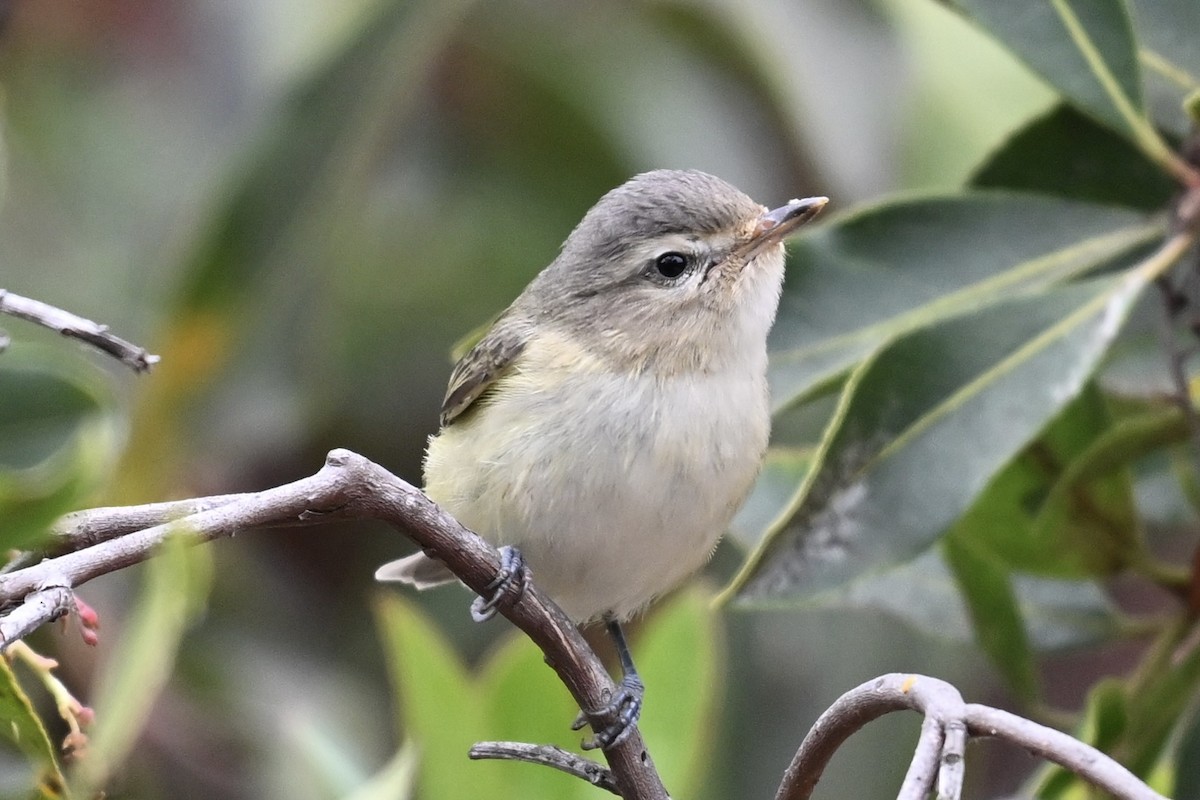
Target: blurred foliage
[(514, 697), (301, 207), (177, 583), (977, 418), (60, 435), (25, 731)]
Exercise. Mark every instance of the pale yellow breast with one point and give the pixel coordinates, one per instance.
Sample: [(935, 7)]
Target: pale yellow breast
[(615, 486)]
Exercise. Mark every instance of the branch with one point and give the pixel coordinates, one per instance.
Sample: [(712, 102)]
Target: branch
[(76, 327), (946, 736), (1084, 760), (81, 529), (347, 487), (922, 770), (35, 610), (547, 755)]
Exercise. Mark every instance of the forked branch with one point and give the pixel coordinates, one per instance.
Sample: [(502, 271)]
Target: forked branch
[(938, 761), (96, 542), (99, 541)]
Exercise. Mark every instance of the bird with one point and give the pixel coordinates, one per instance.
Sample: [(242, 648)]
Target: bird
[(615, 416)]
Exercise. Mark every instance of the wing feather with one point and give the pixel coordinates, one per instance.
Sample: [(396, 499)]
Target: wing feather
[(481, 367)]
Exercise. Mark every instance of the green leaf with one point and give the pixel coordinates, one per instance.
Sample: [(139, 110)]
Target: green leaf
[(516, 696), (1187, 772), (4, 157), (441, 708), (1134, 720), (679, 68), (1090, 505), (1001, 521), (1062, 614), (678, 655), (1105, 722), (395, 781), (41, 413), (783, 471), (527, 703), (1083, 48), (314, 156), (926, 423), (22, 727), (1130, 438), (924, 593), (59, 436), (176, 586), (1091, 163), (277, 223), (317, 757), (921, 593), (999, 629), (1037, 517), (946, 122), (1155, 708), (877, 272), (1167, 31), (510, 675)]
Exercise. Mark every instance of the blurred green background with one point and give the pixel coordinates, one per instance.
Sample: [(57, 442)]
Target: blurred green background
[(301, 206)]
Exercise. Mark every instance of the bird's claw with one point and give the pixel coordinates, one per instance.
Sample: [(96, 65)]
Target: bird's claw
[(621, 712), (507, 587)]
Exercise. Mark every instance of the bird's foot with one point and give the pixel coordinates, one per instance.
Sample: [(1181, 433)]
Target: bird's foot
[(506, 588), (617, 718)]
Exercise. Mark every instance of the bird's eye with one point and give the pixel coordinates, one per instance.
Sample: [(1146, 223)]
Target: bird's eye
[(671, 265)]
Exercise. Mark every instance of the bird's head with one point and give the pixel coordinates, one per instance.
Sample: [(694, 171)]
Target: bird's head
[(673, 270)]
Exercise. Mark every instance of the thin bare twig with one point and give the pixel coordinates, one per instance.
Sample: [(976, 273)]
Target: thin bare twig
[(1084, 760), (81, 529), (347, 487), (350, 486), (942, 701), (548, 755), (77, 327)]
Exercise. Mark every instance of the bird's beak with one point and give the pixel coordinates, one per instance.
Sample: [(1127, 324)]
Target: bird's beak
[(777, 224)]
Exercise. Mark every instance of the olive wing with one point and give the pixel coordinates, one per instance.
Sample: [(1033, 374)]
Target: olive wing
[(481, 367)]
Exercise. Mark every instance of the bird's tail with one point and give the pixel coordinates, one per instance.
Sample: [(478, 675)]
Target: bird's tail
[(417, 570)]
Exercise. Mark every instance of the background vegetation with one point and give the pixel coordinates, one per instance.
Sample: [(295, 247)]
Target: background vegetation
[(980, 470)]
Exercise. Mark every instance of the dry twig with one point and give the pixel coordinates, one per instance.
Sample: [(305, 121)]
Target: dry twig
[(548, 755), (98, 541), (76, 327), (948, 721), (347, 487)]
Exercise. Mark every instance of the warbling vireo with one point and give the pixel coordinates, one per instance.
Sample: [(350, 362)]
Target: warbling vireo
[(613, 419)]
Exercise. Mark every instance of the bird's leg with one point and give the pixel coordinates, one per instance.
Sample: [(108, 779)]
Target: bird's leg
[(626, 705), (507, 587)]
